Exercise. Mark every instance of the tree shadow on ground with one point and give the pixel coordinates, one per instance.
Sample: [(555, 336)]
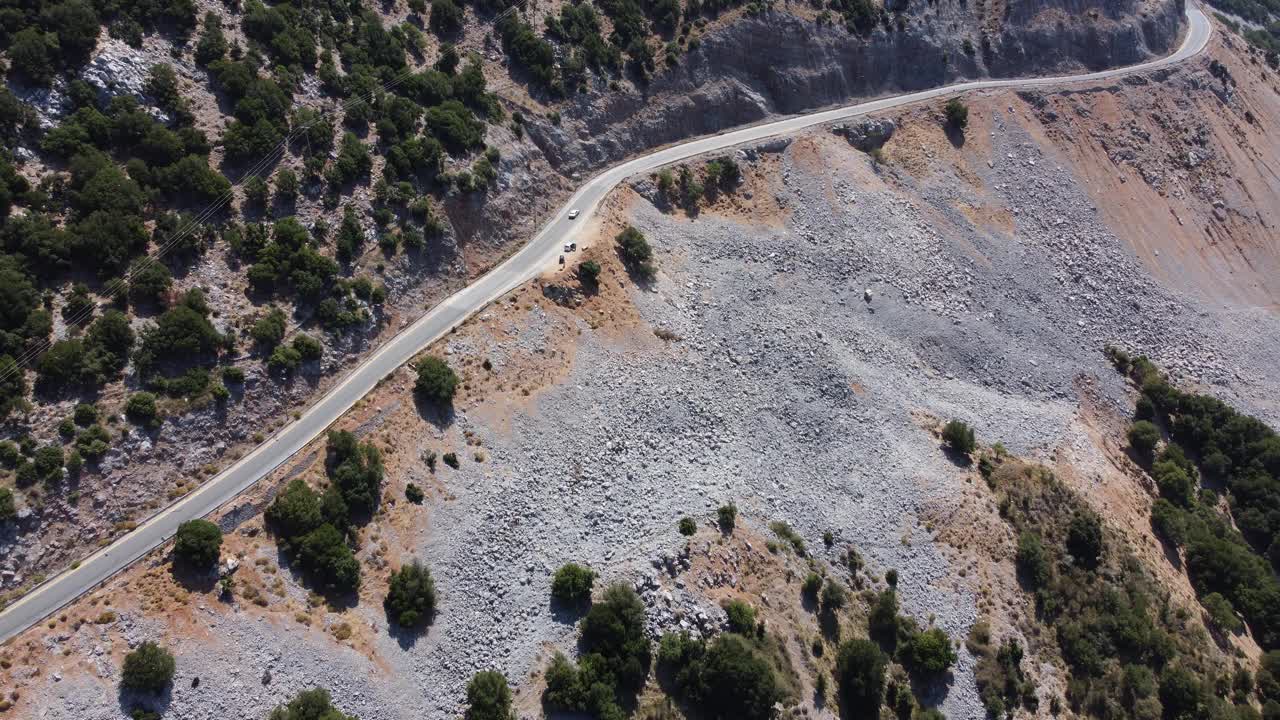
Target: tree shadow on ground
[(954, 135), (957, 458), (439, 415), (193, 579), (407, 637), (567, 613), (132, 701)]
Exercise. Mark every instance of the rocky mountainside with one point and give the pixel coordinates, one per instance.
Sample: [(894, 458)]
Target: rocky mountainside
[(779, 372), (723, 65), (782, 63)]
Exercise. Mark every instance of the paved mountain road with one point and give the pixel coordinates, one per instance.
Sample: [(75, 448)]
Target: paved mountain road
[(527, 263)]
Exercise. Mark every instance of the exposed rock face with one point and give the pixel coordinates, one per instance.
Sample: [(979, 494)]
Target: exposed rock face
[(777, 63), (866, 134)]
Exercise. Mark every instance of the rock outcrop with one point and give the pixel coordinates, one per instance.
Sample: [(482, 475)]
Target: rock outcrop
[(778, 63)]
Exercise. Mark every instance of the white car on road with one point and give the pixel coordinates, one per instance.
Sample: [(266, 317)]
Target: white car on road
[(573, 214)]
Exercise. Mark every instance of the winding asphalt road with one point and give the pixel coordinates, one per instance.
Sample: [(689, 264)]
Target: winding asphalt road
[(526, 264)]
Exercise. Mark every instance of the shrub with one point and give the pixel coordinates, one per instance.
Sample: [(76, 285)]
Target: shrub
[(811, 586), (572, 585), (47, 463), (141, 409), (453, 125), (1032, 561), (1175, 483), (212, 45), (86, 414), (269, 329), (314, 704), (688, 526), (436, 381), (741, 617), (727, 517), (7, 510), (589, 273), (147, 669), (411, 595), (414, 494), (959, 437), (182, 333), (833, 596), (198, 544), (860, 670), (929, 652), (1143, 437), (957, 114), (307, 347), (1168, 522), (284, 359), (883, 619), (489, 697)]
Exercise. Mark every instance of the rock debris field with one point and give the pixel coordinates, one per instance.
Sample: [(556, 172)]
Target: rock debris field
[(788, 393)]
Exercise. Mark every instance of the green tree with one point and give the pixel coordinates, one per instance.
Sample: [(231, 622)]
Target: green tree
[(636, 253), (860, 668), (1143, 437), (149, 668), (411, 595), (324, 553), (446, 16), (1181, 694), (149, 281), (571, 585), (1221, 613), (295, 511), (436, 381), (7, 510), (741, 617), (198, 544), (489, 697), (356, 469)]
